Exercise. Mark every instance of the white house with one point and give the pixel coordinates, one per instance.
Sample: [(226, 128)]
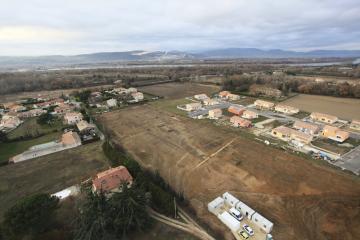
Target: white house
[(201, 97), (137, 96), (233, 97), (230, 199), (229, 221), (262, 222), (210, 102), (215, 205), (193, 106), (71, 118), (215, 113), (245, 209), (111, 102)]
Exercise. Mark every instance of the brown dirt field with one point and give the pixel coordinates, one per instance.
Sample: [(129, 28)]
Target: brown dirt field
[(344, 108), (305, 200), (44, 94), (179, 90)]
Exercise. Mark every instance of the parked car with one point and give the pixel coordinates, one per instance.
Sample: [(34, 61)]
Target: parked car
[(236, 214), (248, 229), (244, 235)]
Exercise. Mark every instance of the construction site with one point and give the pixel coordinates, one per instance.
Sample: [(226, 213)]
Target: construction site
[(304, 199)]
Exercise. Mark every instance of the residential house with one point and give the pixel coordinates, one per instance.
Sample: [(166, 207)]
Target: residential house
[(355, 124), (31, 113), (288, 134), (261, 104), (201, 97), (111, 180), (193, 106), (63, 108), (215, 113), (17, 108), (249, 114), (334, 133), (8, 105), (233, 97), (322, 117), (120, 90), (224, 94), (309, 128), (138, 96), (85, 127), (9, 122), (239, 122), (237, 110), (131, 90), (286, 109), (256, 89), (210, 102), (72, 118), (42, 105), (111, 102)]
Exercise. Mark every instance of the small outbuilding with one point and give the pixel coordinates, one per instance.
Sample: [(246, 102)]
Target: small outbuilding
[(262, 222), (215, 205), (229, 221), (245, 209), (230, 199)]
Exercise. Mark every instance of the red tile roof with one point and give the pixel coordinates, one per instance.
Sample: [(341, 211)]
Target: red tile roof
[(111, 179)]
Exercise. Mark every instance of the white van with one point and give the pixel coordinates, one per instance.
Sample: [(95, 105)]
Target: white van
[(236, 214)]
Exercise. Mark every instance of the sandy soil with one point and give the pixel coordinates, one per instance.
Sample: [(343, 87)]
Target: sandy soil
[(179, 90), (305, 200), (344, 108)]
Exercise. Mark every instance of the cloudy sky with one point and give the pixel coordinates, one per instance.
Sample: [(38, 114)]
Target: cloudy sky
[(42, 27)]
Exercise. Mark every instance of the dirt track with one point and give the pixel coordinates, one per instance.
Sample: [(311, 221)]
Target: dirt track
[(305, 200)]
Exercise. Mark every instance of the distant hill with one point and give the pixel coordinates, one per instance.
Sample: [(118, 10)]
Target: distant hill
[(129, 56), (277, 53)]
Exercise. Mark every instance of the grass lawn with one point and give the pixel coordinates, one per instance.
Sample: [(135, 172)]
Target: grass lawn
[(170, 105), (259, 119), (50, 173), (301, 114), (8, 150), (31, 127)]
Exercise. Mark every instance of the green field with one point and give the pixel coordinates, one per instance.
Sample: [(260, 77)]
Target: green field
[(31, 127), (301, 114), (170, 105), (11, 149), (50, 173)]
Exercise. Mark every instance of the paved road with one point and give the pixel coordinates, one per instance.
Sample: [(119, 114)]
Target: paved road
[(350, 161)]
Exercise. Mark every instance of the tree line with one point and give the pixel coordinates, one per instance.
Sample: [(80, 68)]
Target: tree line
[(288, 84)]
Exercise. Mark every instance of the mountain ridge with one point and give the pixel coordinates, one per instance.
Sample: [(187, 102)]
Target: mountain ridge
[(140, 55)]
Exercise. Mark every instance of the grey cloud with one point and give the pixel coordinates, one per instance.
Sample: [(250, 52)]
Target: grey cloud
[(114, 25)]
